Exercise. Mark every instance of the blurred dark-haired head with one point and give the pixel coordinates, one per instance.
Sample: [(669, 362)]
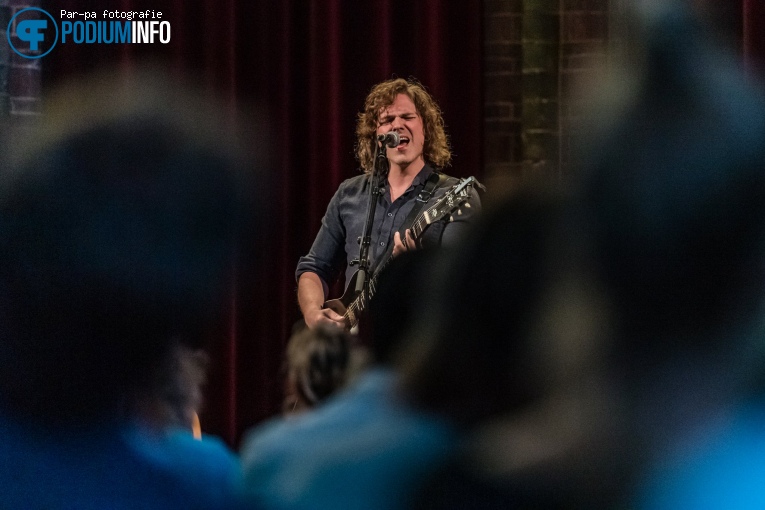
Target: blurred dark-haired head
[(318, 364), (398, 302), (481, 351), (121, 213), (671, 197), (673, 187)]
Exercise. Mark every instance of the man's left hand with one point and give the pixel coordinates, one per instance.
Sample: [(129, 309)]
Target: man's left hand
[(408, 243)]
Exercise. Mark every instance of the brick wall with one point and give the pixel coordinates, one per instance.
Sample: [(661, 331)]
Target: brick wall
[(503, 66), (534, 50), (583, 41), (20, 78), (541, 85)]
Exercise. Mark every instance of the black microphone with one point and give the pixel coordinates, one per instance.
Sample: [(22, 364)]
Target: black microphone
[(391, 139)]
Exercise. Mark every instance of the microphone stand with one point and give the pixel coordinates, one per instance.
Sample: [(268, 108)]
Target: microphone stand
[(375, 190)]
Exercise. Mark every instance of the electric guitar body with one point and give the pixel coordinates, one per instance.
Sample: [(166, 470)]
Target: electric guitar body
[(341, 304)]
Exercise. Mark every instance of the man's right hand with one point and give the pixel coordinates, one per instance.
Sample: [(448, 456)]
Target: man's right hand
[(311, 295), (323, 317)]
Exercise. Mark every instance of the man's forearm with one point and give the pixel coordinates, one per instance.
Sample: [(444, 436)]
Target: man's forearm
[(311, 292)]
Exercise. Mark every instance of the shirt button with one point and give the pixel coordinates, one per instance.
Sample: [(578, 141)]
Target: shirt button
[(382, 243), (390, 214)]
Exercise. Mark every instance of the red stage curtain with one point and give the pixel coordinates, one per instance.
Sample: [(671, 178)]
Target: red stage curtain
[(754, 35), (307, 65)]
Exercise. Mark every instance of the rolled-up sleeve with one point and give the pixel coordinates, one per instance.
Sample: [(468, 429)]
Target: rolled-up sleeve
[(327, 255)]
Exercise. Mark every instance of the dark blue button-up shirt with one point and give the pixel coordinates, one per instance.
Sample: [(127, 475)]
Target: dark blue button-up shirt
[(343, 224)]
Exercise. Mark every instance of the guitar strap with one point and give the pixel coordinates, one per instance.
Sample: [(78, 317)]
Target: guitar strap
[(434, 182)]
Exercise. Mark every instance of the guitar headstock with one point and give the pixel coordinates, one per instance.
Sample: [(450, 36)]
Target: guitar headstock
[(450, 202)]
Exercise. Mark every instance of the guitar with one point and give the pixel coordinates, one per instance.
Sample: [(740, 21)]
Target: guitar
[(352, 304)]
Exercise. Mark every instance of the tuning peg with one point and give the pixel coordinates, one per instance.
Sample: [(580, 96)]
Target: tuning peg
[(451, 218), (459, 212), (467, 204)]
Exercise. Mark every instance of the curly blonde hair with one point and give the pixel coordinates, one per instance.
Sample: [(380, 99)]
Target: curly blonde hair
[(436, 150)]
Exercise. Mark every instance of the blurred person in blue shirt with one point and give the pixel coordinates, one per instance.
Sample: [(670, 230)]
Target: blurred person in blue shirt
[(121, 210)]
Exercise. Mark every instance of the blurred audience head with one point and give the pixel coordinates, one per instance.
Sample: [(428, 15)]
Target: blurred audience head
[(318, 364), (479, 351), (122, 213), (672, 190), (397, 303), (671, 199), (513, 353), (175, 395), (603, 328)]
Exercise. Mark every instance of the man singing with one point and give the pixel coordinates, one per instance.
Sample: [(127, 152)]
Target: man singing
[(406, 108)]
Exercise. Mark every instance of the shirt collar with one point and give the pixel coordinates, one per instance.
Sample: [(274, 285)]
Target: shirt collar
[(421, 178)]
